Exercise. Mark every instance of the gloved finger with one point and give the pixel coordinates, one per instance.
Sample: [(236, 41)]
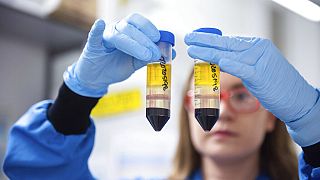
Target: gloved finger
[(135, 34), (131, 47), (244, 38), (252, 55), (174, 54), (209, 54), (220, 42), (96, 34), (144, 25), (137, 64), (238, 69)]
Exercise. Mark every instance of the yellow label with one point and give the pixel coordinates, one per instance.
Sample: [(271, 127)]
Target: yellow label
[(159, 74), (206, 74), (118, 102)]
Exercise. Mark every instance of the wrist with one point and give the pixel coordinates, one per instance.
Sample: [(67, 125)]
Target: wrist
[(295, 98), (311, 154), (81, 88), (305, 130), (70, 112)]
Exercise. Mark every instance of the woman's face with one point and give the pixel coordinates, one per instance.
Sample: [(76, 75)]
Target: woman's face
[(235, 134)]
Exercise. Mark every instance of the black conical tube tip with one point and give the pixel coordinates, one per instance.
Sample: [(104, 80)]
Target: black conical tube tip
[(207, 117), (158, 117)]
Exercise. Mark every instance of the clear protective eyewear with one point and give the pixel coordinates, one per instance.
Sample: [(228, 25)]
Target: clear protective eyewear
[(240, 100)]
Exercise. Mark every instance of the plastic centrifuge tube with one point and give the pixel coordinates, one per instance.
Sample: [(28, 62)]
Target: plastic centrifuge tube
[(159, 84), (207, 89)]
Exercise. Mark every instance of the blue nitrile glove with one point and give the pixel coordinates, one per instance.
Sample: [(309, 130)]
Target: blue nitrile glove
[(267, 75), (111, 55)]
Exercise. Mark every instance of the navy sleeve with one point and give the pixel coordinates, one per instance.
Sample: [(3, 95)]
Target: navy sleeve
[(70, 113), (312, 154)]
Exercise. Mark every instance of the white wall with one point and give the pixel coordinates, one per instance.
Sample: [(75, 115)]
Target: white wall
[(299, 40)]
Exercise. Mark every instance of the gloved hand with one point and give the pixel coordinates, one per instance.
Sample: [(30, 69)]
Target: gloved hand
[(112, 55), (266, 74)]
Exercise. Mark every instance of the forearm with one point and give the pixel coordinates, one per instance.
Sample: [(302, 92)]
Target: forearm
[(312, 154), (70, 113)]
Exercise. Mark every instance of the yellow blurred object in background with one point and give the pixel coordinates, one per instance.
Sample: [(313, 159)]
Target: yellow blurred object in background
[(118, 102), (123, 2)]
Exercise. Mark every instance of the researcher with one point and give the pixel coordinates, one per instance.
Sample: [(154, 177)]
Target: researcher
[(54, 138)]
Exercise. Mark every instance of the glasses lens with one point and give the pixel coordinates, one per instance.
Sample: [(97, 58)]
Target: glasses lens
[(243, 101)]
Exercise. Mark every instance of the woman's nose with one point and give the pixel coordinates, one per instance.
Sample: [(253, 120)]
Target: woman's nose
[(225, 111), (223, 106)]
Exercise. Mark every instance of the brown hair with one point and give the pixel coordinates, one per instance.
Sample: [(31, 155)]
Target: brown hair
[(277, 155)]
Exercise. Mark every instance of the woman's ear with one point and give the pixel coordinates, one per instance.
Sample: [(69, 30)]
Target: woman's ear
[(188, 101), (271, 122)]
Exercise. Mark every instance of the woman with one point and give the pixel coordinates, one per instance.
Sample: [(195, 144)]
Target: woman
[(54, 139), (247, 142)]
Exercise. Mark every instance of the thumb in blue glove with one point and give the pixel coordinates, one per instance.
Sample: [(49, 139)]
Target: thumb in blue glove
[(266, 74), (111, 55)]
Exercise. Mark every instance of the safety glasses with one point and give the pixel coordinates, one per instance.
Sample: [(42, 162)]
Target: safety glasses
[(240, 100)]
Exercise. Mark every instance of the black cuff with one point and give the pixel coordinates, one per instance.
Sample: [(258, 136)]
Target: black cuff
[(312, 155), (70, 113)]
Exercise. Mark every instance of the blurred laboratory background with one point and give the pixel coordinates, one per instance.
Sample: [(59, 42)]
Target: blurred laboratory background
[(40, 38)]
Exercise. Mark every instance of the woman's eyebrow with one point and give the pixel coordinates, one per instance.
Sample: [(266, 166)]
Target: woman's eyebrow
[(237, 86)]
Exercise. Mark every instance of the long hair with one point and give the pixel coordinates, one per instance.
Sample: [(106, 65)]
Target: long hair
[(277, 154)]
